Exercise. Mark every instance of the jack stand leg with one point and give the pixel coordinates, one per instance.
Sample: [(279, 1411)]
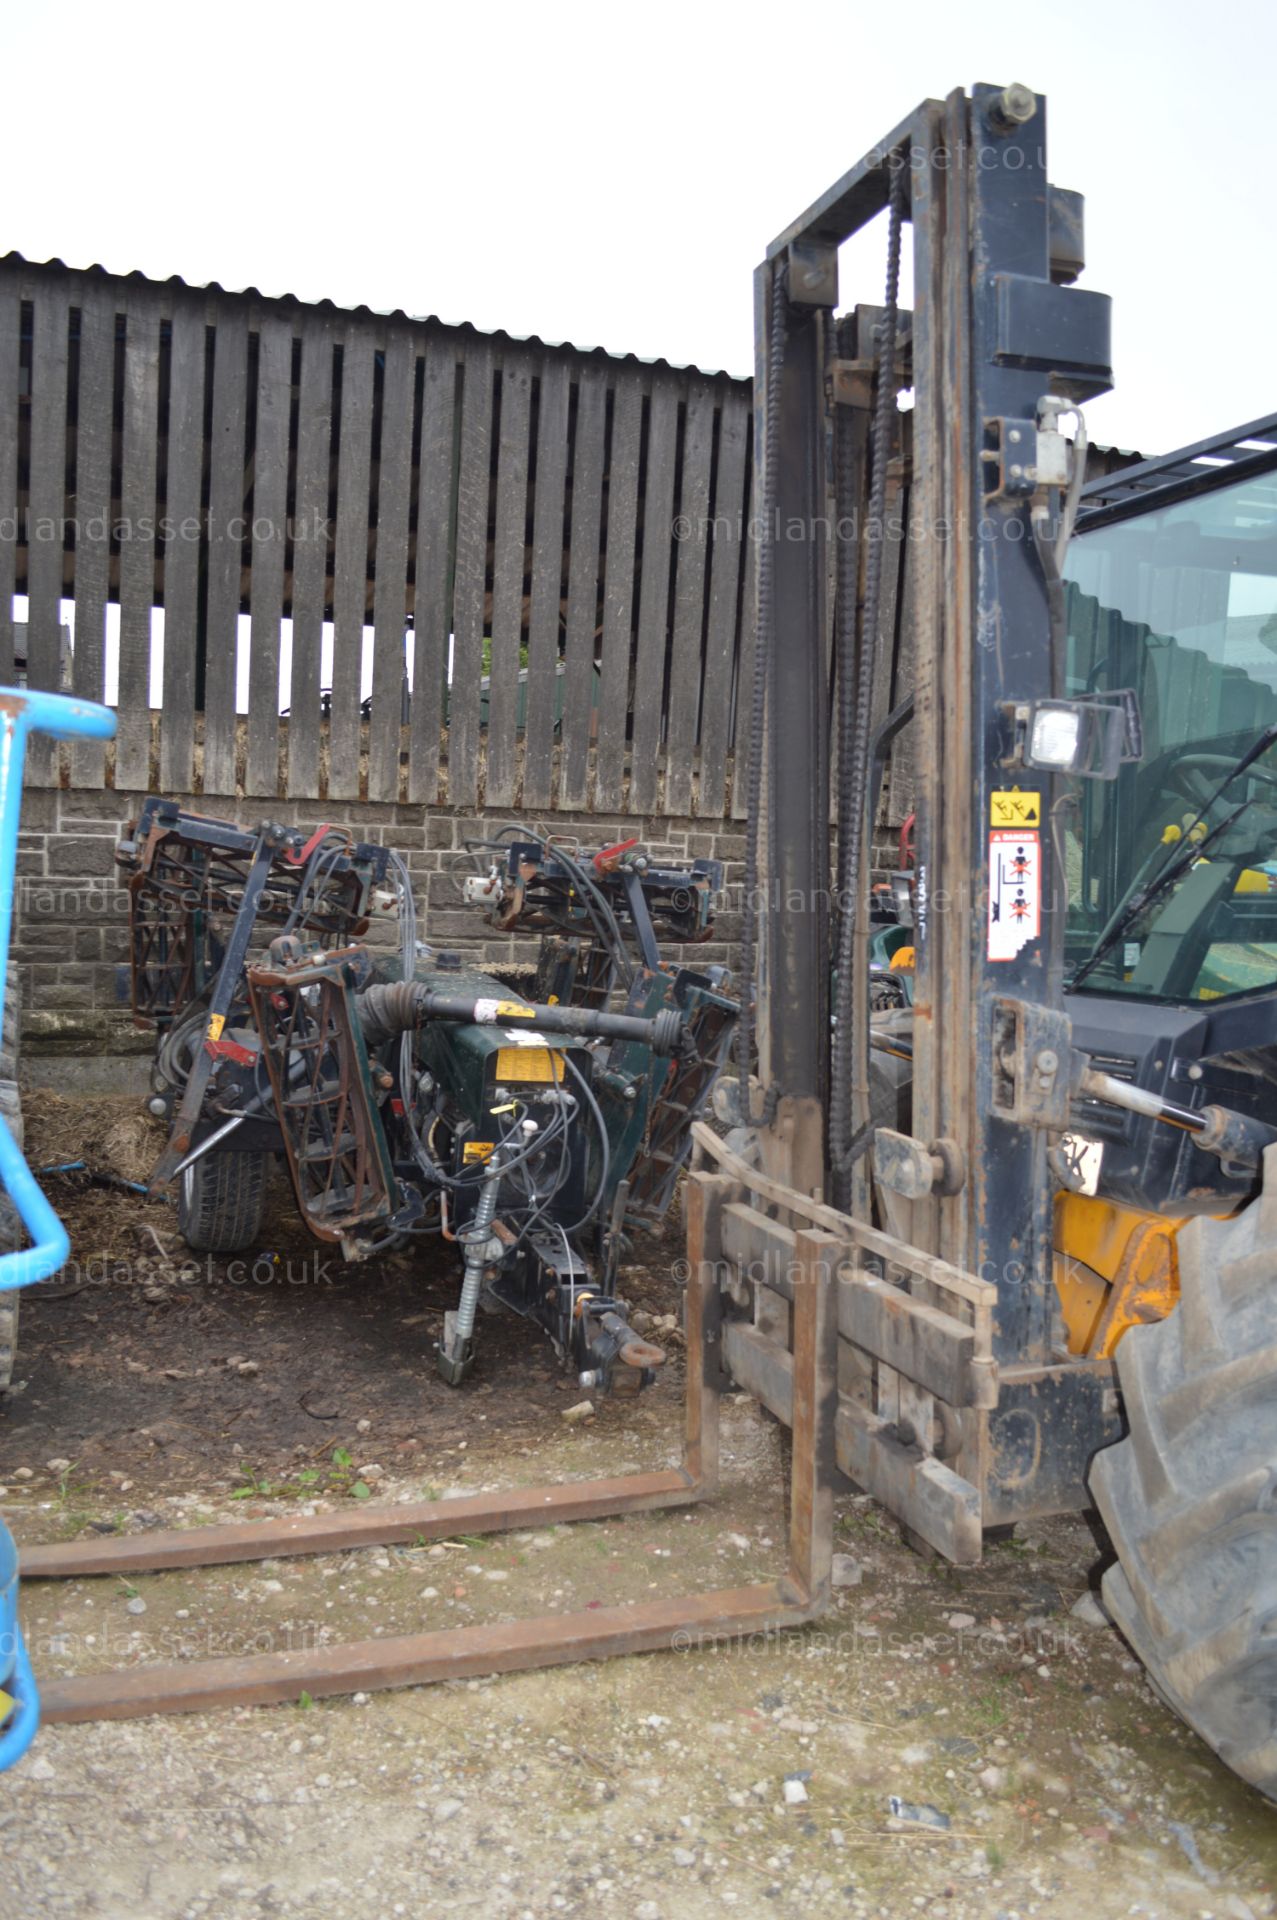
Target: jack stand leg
[(456, 1353), (456, 1349)]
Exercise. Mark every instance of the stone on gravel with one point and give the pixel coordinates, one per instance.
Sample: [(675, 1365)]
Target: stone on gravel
[(1089, 1611), (795, 1793), (961, 1621), (583, 1410), (136, 1605), (847, 1570)]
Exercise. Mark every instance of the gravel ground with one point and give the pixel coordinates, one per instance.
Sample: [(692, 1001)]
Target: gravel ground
[(1035, 1767), (966, 1743)]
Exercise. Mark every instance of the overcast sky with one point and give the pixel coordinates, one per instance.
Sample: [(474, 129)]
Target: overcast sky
[(610, 175)]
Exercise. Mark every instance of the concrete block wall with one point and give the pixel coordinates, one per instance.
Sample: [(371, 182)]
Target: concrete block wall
[(70, 944)]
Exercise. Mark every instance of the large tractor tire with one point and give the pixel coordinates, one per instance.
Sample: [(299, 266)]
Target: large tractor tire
[(1190, 1496), (220, 1201)]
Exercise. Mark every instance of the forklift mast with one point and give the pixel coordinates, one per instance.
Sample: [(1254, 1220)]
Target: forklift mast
[(952, 507)]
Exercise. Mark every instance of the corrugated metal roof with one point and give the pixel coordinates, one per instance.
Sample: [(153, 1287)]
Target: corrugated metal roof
[(137, 278)]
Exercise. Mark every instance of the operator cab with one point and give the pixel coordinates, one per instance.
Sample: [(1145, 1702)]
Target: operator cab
[(1171, 868)]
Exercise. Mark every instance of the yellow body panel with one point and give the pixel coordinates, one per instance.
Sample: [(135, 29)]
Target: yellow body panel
[(1114, 1268)]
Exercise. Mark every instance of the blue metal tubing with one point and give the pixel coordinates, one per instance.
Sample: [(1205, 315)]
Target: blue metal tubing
[(23, 712), (20, 1730)]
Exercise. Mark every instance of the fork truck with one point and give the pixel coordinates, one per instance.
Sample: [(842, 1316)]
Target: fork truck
[(1047, 1174), (1007, 1248)]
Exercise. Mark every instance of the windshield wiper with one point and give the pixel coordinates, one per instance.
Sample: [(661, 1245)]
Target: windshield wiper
[(1188, 852)]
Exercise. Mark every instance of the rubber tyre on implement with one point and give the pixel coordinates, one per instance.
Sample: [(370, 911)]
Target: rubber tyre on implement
[(220, 1201), (1190, 1496)]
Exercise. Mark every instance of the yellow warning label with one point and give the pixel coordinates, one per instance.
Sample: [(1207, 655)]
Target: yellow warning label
[(215, 1026), (7, 1704), (477, 1150), (1015, 809), (513, 1010)]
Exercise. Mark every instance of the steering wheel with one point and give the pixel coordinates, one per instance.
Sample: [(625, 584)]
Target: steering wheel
[(1196, 775)]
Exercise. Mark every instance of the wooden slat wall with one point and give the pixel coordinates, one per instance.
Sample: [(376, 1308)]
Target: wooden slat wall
[(310, 554), (507, 583), (51, 320), (181, 547), (390, 606), (269, 535), (93, 514), (547, 584), (432, 606), (471, 572), (227, 443), (363, 489)]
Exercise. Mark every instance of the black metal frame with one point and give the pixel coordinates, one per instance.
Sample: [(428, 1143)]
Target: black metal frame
[(996, 326), (1199, 468)]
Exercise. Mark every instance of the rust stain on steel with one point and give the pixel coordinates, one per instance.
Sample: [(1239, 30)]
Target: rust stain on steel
[(192, 1686), (362, 1527)]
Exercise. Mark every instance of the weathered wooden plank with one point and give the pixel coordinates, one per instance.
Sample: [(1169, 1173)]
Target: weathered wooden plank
[(815, 1405), (350, 562), (654, 595), (761, 1367), (508, 567), (138, 461), (931, 1499), (310, 553), (583, 586), (547, 585), (225, 543), (10, 322), (471, 577), (764, 1251), (432, 592), (691, 529), (47, 505), (618, 596), (92, 514), (727, 551), (390, 593), (916, 1340), (269, 550), (181, 543)]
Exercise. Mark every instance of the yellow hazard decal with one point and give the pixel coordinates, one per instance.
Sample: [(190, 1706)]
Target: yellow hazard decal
[(215, 1026), (513, 1010), (477, 1150), (1015, 809)]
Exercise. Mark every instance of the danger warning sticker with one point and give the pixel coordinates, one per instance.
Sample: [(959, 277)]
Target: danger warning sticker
[(1015, 892)]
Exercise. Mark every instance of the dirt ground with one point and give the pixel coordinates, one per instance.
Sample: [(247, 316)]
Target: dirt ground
[(962, 1743)]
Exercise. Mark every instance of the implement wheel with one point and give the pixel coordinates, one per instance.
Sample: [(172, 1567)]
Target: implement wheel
[(1190, 1496), (221, 1199)]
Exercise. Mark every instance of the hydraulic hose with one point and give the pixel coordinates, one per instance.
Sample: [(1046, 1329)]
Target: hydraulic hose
[(387, 1010)]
